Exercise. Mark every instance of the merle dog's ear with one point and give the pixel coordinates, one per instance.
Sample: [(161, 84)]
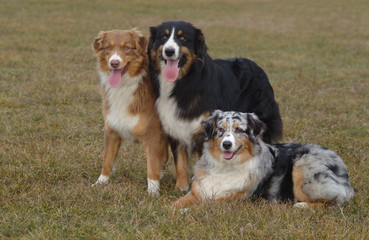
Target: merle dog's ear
[(98, 41), (209, 124), (200, 43), (255, 127)]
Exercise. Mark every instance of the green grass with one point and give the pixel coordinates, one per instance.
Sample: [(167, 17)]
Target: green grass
[(316, 54)]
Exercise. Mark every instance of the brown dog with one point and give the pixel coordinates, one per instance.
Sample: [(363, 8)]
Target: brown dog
[(129, 102)]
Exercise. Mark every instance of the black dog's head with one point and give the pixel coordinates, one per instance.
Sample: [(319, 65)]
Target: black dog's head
[(174, 46)]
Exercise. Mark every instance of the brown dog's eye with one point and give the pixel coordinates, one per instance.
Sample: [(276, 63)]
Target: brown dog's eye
[(126, 49)]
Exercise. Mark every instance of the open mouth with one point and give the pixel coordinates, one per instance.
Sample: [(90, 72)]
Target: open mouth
[(171, 69), (115, 77), (227, 155)]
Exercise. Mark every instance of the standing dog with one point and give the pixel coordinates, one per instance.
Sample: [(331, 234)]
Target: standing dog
[(190, 85), (237, 164), (128, 102)]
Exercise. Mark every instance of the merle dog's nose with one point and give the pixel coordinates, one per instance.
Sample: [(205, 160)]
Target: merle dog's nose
[(114, 63), (227, 145), (169, 52)]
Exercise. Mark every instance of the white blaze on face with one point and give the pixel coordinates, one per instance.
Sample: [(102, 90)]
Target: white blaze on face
[(171, 56), (171, 44), (229, 138), (115, 56)]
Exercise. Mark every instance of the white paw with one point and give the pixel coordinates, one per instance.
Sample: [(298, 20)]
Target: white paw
[(100, 181), (301, 205), (153, 187)]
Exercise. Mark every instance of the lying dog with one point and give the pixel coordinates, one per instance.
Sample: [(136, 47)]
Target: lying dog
[(237, 164), (190, 85), (128, 102)]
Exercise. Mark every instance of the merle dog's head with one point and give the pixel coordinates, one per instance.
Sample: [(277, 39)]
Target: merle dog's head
[(232, 135), (174, 46)]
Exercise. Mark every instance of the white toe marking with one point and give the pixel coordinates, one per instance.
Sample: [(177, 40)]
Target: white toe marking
[(153, 187), (301, 205), (101, 180)]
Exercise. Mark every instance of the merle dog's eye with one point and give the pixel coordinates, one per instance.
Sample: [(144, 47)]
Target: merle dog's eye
[(239, 130), (221, 130)]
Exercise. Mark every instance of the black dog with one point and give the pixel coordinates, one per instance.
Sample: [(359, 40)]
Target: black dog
[(190, 85)]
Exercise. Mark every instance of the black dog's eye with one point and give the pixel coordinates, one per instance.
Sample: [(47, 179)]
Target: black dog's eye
[(239, 130), (165, 37), (183, 39)]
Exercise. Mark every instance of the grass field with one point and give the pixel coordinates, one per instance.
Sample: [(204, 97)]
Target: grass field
[(316, 54)]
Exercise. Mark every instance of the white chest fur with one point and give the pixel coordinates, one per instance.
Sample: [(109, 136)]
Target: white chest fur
[(225, 180), (120, 99), (175, 126)]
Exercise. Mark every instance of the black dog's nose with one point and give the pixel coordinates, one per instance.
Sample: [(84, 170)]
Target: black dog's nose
[(169, 52), (227, 145)]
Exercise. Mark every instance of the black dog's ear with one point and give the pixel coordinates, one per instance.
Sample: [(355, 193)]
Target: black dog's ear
[(152, 33), (255, 127), (200, 44), (209, 125)]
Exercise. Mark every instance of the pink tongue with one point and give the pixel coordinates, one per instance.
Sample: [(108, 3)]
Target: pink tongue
[(228, 155), (171, 70), (115, 77)]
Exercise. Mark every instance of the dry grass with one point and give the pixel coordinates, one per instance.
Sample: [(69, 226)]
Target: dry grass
[(315, 53)]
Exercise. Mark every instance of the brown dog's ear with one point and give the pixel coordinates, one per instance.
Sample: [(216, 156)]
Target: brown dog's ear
[(140, 40), (98, 41)]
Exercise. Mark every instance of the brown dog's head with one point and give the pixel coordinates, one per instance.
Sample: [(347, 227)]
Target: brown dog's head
[(120, 52)]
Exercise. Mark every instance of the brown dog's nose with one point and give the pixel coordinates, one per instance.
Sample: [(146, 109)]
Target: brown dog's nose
[(114, 63)]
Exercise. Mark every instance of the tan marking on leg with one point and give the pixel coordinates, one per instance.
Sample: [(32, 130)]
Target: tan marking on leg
[(190, 199), (112, 143), (156, 149), (298, 180), (182, 171), (186, 201), (237, 196)]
